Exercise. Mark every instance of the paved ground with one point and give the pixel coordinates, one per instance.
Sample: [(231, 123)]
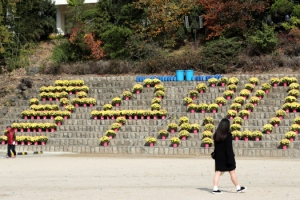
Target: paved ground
[(102, 177)]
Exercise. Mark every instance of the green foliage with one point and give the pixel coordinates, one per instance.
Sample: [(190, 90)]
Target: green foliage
[(281, 7), (294, 23), (296, 11), (218, 54), (265, 40)]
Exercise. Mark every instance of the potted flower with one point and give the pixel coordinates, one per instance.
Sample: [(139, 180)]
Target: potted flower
[(235, 127), (223, 81), (245, 93), (110, 133), (257, 135), (294, 86), (104, 140), (208, 120), (246, 135), (284, 81), (228, 94), (295, 128), (137, 88), (275, 121), (163, 134), (34, 101), (286, 107), (213, 107), (58, 120), (249, 107), (195, 128), (70, 108), (231, 113), (82, 94), (156, 100), (155, 114), (160, 94), (238, 120), (156, 81), (175, 141), (268, 128), (192, 107), (280, 113), (295, 106), (201, 88), (254, 100), (115, 126), (260, 94), (290, 135), (239, 100), (294, 92), (284, 143), (244, 114), (184, 134), (266, 87), (207, 142), (193, 94), (163, 114), (95, 114), (121, 120), (107, 106), (3, 139), (172, 127), (185, 126), (116, 101), (236, 135), (232, 87), (292, 80), (127, 95), (297, 120), (290, 99), (159, 87), (203, 107), (207, 134), (148, 82), (212, 82), (233, 80), (249, 87), (209, 127), (183, 119), (235, 106), (220, 101), (274, 81), (253, 80), (155, 106), (188, 100), (76, 101)]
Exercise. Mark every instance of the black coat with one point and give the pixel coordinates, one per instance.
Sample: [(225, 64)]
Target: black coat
[(224, 156)]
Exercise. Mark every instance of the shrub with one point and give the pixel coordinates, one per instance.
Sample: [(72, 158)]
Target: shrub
[(116, 100), (295, 127), (104, 139), (244, 113), (110, 133), (275, 120), (148, 81), (260, 93), (155, 106), (213, 106), (290, 99), (249, 106), (195, 127), (274, 80), (239, 100), (121, 120), (115, 126)]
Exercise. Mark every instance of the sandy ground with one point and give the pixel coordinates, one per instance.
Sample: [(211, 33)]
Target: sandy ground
[(105, 177)]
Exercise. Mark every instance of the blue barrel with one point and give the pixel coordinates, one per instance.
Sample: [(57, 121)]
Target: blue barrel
[(180, 75), (189, 75)]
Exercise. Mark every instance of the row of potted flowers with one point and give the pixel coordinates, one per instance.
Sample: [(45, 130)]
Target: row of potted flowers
[(151, 82), (203, 107), (117, 102), (34, 127), (47, 107), (31, 114), (127, 95), (246, 135), (68, 89), (69, 83), (129, 114), (28, 140), (291, 107), (284, 81)]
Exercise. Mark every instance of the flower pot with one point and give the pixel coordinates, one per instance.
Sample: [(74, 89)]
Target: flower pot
[(148, 86), (259, 97), (192, 111), (268, 132), (287, 110), (121, 124), (58, 123), (276, 125), (84, 105), (47, 129), (246, 139), (236, 138), (154, 117), (117, 105), (172, 131), (50, 99), (267, 91), (275, 85), (65, 117), (142, 117), (213, 85), (135, 117), (206, 146), (28, 130), (44, 117), (296, 131), (44, 99), (151, 144), (116, 130), (245, 117), (91, 105), (52, 129), (214, 111), (28, 143), (25, 117), (15, 130), (113, 117), (163, 137), (202, 111), (16, 143), (223, 84), (22, 130), (95, 117), (292, 139), (284, 84), (201, 91), (57, 99), (42, 143), (3, 142), (22, 143), (38, 117), (280, 117), (183, 137), (35, 143), (70, 92), (250, 91), (148, 117), (34, 130), (107, 117), (126, 98), (51, 117), (32, 117), (130, 117), (257, 139), (284, 147), (110, 137), (249, 110), (40, 130), (163, 117), (76, 105), (254, 84), (228, 97), (195, 131), (220, 104), (255, 104), (230, 117), (105, 144), (294, 110), (245, 97), (138, 92), (175, 145), (194, 98), (102, 117)]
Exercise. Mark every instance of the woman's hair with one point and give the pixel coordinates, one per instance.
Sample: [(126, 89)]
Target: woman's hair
[(222, 130)]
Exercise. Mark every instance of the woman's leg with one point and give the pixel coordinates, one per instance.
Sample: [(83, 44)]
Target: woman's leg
[(216, 178), (233, 178)]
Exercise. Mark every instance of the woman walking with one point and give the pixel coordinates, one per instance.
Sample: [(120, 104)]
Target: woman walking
[(224, 156)]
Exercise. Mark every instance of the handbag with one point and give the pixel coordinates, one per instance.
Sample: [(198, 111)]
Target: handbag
[(213, 155)]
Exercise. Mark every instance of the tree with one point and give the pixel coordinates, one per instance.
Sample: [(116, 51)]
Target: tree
[(223, 15)]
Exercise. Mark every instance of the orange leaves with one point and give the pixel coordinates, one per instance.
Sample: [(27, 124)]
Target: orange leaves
[(94, 46)]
